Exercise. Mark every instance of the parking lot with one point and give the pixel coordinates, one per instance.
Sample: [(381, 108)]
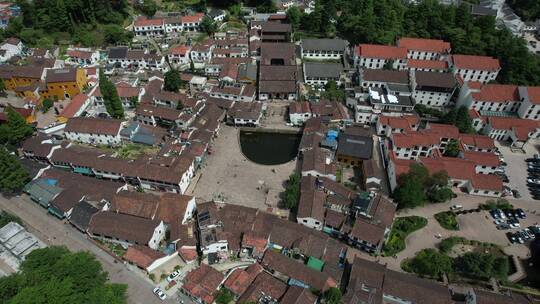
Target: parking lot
[(516, 168)]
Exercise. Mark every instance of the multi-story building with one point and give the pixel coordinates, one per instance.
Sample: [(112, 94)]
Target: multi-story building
[(94, 131), (319, 74), (373, 56), (323, 49), (425, 49), (433, 89), (149, 27), (179, 56), (136, 59), (475, 68), (62, 84)]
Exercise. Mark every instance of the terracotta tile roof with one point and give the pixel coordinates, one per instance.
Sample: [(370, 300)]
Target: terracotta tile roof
[(404, 122), (381, 51), (79, 54), (474, 114), (74, 106), (415, 290), (203, 283), (472, 62), (179, 50), (427, 64), (257, 241), (311, 205), (143, 21), (193, 18), (188, 254), (142, 256), (122, 226), (456, 168), (297, 270), (93, 125), (497, 93), (427, 45), (366, 230), (534, 94), (479, 141), (443, 130), (487, 182), (240, 279), (299, 107), (522, 127), (264, 285), (482, 158), (61, 75), (298, 295), (414, 139)]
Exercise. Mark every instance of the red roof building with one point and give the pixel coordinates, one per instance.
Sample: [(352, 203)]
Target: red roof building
[(471, 62), (425, 45), (203, 283), (380, 51)]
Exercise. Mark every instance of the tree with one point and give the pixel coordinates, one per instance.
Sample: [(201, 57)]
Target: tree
[(13, 176), (464, 121), (440, 195), (114, 34), (410, 192), (452, 148), (134, 101), (479, 265), (112, 102), (147, 7), (208, 25), (292, 191), (294, 15), (429, 262), (47, 104), (224, 296), (15, 129), (332, 296), (333, 92), (173, 81), (55, 275)]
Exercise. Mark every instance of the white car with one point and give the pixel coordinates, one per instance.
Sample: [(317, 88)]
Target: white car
[(159, 293), (173, 276), (456, 207), (533, 181), (499, 221), (514, 225)]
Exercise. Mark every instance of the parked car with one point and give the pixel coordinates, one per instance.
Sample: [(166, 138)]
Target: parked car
[(501, 213), (535, 229), (511, 237), (529, 233), (513, 224), (516, 193), (520, 213), (456, 207), (173, 276), (533, 181), (503, 226), (494, 214), (159, 293), (499, 221), (510, 214)]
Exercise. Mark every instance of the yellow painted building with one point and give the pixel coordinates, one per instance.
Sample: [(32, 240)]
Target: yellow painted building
[(64, 83)]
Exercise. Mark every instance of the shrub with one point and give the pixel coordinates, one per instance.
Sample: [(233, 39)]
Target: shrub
[(500, 203), (428, 262), (403, 226), (447, 220), (447, 244)]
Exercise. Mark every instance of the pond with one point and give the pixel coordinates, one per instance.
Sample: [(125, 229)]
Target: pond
[(269, 148)]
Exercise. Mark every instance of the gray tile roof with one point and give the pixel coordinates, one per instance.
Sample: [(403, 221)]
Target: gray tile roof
[(324, 45), (322, 70)]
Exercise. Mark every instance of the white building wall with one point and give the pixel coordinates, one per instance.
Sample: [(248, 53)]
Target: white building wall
[(310, 222)]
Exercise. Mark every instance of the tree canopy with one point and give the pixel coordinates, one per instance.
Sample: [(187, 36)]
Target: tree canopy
[(15, 129), (528, 10), (13, 176), (173, 81), (429, 262), (292, 191), (56, 275), (460, 118), (112, 102), (418, 186)]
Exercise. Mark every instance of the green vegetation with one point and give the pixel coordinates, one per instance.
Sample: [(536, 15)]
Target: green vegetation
[(403, 226), (452, 148), (113, 104), (332, 296), (209, 26), (15, 130), (173, 81), (224, 296), (146, 7), (52, 22), (459, 118), (528, 10), (417, 187), (132, 151), (55, 275), (447, 220), (292, 191), (6, 217), (46, 105), (13, 176), (474, 265), (428, 262), (333, 92), (500, 203), (447, 244), (482, 266), (427, 112)]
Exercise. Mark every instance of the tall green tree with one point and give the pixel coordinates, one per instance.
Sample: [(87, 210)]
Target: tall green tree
[(55, 275), (452, 148), (112, 102), (147, 7), (208, 25), (13, 176), (15, 130), (332, 296), (292, 191), (429, 262), (173, 81)]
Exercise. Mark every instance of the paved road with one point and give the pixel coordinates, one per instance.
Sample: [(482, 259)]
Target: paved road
[(54, 232)]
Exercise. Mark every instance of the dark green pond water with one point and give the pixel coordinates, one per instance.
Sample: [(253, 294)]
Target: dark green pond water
[(269, 148)]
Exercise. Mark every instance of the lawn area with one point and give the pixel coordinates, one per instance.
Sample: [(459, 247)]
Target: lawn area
[(128, 151), (447, 220), (403, 226)]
